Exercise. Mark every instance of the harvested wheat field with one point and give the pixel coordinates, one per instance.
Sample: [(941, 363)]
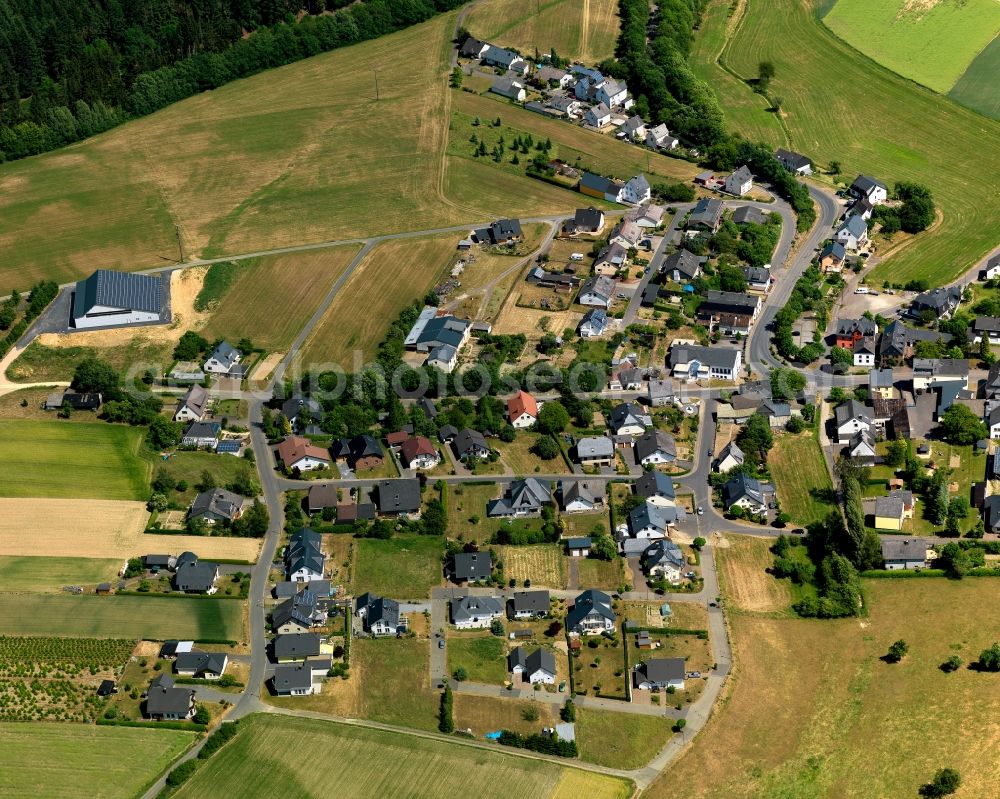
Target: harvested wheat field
[(97, 528)]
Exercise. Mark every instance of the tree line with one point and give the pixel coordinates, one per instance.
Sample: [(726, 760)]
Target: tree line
[(70, 69)]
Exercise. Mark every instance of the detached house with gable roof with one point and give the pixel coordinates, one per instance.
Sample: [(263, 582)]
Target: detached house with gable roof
[(868, 188), (217, 505), (739, 182), (224, 360), (523, 498), (193, 406), (522, 410), (794, 162), (591, 614), (296, 452), (380, 616), (475, 612)]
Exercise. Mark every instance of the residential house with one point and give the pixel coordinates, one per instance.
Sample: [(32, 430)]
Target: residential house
[(470, 567), (500, 232), (579, 546), (444, 358), (660, 393), (591, 614), (861, 446), (224, 360), (991, 513), (739, 182), (992, 384), (655, 447), (993, 422), (522, 410), (193, 406), (302, 414), (832, 258), (729, 312), (419, 453), (681, 266), (695, 362), (929, 372), (580, 496), (297, 614), (296, 452), (939, 302), (636, 190), (663, 559), (597, 116), (587, 220), (659, 674), (897, 340), (204, 435), (399, 497), (593, 324), (889, 513), (745, 492), (610, 260), (656, 488), (850, 418), (380, 616), (366, 452), (634, 129), (648, 521), (304, 558), (193, 576), (612, 93), (564, 106), (597, 291), (881, 384), (108, 299), (865, 187), (758, 279), (217, 505), (553, 76), (852, 233), (646, 216), (289, 648), (528, 605), (475, 612), (595, 451), (778, 414), (864, 352), (203, 665), (987, 327), (659, 138), (166, 702), (473, 48), (537, 668), (992, 268), (627, 233), (794, 162), (850, 331), (470, 445), (522, 498), (598, 186), (300, 679), (730, 456), (749, 215), (322, 495), (494, 56), (628, 378), (509, 88), (706, 215), (904, 553), (629, 419)]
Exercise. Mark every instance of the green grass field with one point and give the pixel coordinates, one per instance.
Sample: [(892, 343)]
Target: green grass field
[(977, 88), (44, 575), (931, 43), (620, 740), (577, 29), (189, 466), (481, 655), (839, 705), (403, 567), (39, 363), (267, 754), (81, 761), (800, 476), (73, 460), (839, 105), (121, 616)]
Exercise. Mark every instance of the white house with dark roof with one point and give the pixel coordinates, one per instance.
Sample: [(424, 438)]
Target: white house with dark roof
[(739, 182), (223, 360), (868, 188), (528, 605), (612, 93), (636, 190), (217, 505), (593, 324), (658, 674), (794, 162), (659, 138), (904, 553), (475, 612), (108, 298), (692, 362), (597, 116), (629, 419), (536, 668), (193, 406), (509, 88), (595, 451), (597, 291), (591, 614), (852, 233), (580, 496)]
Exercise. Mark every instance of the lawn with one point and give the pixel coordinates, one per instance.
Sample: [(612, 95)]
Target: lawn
[(467, 517), (482, 655), (121, 616), (40, 362), (388, 683), (392, 275), (583, 30), (600, 670), (840, 705), (403, 567), (800, 476), (295, 283), (518, 456), (484, 714), (73, 460), (606, 574), (267, 755), (932, 44), (189, 466), (540, 563), (620, 740), (838, 105), (84, 761), (977, 88), (44, 574)]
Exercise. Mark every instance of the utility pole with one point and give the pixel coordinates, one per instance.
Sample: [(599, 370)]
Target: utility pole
[(180, 241), (376, 84)]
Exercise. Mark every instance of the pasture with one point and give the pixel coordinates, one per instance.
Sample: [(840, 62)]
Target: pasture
[(839, 106), (391, 276), (84, 761), (403, 567), (271, 298), (268, 750), (482, 655), (97, 528), (801, 477), (44, 575), (71, 460), (931, 43), (977, 88), (841, 705), (94, 616), (583, 30)]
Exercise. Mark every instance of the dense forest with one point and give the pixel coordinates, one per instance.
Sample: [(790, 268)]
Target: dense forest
[(73, 68)]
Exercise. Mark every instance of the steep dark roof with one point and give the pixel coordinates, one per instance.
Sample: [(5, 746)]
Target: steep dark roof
[(301, 645), (401, 495), (472, 566)]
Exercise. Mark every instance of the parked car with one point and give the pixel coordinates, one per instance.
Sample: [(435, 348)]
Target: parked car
[(440, 643), (701, 511)]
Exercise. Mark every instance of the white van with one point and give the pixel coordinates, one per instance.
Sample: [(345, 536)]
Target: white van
[(577, 256), (861, 290)]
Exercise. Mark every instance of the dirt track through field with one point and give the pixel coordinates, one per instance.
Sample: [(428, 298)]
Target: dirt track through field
[(97, 528)]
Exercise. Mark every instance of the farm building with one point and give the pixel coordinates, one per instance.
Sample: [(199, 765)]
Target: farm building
[(108, 299)]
